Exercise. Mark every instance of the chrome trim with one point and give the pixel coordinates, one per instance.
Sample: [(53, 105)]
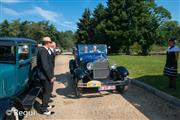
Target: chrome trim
[(109, 82), (3, 88)]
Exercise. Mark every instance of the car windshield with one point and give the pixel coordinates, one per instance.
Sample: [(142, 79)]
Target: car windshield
[(84, 49), (7, 54)]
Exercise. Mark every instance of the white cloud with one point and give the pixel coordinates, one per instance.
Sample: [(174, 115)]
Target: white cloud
[(56, 18), (68, 22), (59, 19), (9, 11), (12, 12), (66, 25), (49, 15), (10, 1)]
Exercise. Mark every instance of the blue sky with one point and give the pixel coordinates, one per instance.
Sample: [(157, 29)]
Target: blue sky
[(64, 14)]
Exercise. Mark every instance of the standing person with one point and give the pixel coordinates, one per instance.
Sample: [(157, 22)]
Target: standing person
[(170, 69), (53, 55), (45, 73)]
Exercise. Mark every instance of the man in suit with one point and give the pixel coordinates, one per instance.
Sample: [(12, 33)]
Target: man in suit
[(45, 71), (53, 55)]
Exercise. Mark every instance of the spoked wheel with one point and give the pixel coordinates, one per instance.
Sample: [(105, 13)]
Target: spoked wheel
[(11, 114), (122, 89), (76, 88)]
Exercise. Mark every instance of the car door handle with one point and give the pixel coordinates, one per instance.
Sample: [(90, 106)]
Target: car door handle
[(23, 65)]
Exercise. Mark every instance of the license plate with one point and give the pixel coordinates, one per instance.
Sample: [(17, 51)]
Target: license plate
[(103, 88), (94, 84)]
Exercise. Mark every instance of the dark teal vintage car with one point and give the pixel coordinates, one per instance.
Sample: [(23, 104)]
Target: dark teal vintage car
[(17, 76)]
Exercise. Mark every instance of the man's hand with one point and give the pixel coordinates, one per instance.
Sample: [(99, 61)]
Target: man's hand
[(53, 79)]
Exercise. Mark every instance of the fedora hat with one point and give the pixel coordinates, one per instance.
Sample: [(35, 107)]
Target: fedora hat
[(46, 39)]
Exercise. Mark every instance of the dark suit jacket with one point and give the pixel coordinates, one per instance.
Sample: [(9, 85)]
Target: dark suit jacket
[(45, 68), (53, 55)]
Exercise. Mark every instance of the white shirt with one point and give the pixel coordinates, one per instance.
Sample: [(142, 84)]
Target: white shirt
[(49, 51), (174, 49)]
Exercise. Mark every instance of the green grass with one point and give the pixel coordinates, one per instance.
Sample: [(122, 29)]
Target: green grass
[(148, 69)]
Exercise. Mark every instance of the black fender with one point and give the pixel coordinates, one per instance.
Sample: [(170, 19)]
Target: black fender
[(79, 73), (122, 71), (119, 73)]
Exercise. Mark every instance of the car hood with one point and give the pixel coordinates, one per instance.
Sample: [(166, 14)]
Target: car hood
[(7, 74), (92, 57)]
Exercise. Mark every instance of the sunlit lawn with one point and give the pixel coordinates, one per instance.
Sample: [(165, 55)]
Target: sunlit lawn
[(148, 69)]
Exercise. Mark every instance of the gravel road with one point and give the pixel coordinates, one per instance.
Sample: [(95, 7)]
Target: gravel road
[(135, 104)]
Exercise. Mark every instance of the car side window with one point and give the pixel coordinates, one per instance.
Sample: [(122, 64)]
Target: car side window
[(7, 54), (23, 52)]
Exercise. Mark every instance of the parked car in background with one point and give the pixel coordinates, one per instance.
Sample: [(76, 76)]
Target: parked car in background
[(91, 69), (58, 51), (18, 88)]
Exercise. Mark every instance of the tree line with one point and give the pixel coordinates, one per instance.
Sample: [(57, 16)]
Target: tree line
[(126, 23), (37, 30)]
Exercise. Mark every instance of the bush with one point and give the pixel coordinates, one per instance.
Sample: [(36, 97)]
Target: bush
[(135, 49)]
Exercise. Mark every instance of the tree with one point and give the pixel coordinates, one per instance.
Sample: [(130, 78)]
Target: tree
[(98, 24), (67, 39), (123, 23), (37, 30), (167, 30), (4, 29), (149, 21), (84, 27), (134, 21)]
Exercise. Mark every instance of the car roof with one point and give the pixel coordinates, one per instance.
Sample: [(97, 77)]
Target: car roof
[(19, 40)]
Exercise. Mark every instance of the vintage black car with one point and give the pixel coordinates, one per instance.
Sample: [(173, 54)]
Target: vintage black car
[(91, 69), (18, 86)]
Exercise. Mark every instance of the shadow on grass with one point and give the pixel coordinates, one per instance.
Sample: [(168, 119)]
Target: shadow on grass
[(161, 82)]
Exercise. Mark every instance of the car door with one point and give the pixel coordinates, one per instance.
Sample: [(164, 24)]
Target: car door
[(24, 66)]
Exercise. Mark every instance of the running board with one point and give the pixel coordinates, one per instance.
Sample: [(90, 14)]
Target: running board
[(29, 99)]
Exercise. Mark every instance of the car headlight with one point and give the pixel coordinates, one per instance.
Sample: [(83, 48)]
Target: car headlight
[(89, 66), (81, 59), (114, 66)]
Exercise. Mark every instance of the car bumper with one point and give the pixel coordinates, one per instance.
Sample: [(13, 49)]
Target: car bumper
[(101, 83)]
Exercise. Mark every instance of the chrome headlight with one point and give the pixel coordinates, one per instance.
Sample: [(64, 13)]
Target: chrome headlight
[(89, 66), (114, 66), (81, 59)]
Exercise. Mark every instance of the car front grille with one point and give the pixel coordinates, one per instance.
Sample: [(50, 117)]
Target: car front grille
[(101, 69)]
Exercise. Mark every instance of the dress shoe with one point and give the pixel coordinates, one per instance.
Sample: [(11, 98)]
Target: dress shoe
[(50, 106), (53, 96), (47, 112), (50, 101)]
